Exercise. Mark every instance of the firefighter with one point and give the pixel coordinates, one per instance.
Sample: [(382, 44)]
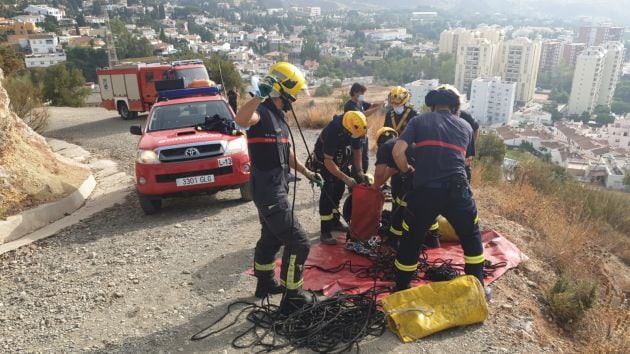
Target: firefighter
[(338, 147), (401, 185), (271, 156), (400, 111), (357, 103), (441, 140), (470, 154)]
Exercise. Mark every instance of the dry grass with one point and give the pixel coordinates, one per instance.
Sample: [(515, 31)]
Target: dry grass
[(573, 241)]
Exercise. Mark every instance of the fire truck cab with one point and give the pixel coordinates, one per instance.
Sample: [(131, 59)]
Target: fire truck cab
[(130, 88)]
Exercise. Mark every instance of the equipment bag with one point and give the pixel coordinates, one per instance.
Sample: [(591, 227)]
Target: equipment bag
[(421, 311), (367, 205)]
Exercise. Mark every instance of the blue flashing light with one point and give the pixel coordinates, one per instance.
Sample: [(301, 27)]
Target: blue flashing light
[(190, 92)]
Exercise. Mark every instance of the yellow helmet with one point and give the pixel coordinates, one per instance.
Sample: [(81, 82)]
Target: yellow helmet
[(355, 123), (398, 96), (290, 79), (384, 134)]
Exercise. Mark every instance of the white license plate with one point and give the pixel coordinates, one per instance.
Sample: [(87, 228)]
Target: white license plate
[(191, 181), (225, 161)]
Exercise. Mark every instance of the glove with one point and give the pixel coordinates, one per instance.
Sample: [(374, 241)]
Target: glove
[(349, 181), (266, 86), (315, 178), (363, 178)]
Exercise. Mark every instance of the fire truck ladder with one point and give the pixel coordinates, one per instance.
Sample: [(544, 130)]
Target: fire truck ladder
[(112, 57)]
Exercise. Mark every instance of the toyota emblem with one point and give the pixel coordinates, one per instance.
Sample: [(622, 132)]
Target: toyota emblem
[(192, 152)]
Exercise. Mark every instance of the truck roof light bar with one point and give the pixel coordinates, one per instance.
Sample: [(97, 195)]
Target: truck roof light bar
[(189, 92), (187, 62)]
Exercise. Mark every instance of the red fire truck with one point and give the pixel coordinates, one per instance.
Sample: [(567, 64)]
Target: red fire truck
[(130, 89)]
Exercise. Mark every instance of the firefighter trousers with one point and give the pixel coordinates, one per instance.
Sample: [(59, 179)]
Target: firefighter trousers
[(329, 199), (278, 228), (455, 202), (400, 188)]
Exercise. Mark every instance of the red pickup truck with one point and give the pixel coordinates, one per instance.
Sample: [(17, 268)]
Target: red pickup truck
[(177, 155)]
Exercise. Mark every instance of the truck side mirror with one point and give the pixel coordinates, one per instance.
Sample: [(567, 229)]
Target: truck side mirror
[(135, 130)]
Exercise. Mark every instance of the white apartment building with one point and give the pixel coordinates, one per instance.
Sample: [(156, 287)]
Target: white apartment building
[(587, 79), (492, 100), (45, 50), (419, 89), (450, 39), (45, 10), (387, 34), (613, 65), (618, 133), (475, 59), (518, 62)]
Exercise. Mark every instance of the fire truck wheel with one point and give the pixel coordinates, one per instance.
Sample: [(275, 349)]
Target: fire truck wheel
[(246, 192), (149, 204), (124, 111)]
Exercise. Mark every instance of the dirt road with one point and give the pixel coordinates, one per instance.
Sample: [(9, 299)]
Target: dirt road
[(125, 282)]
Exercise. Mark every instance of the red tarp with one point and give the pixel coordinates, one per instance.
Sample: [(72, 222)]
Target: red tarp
[(496, 249)]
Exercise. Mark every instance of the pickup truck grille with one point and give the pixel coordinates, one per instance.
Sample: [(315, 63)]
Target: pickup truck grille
[(173, 176), (192, 152)]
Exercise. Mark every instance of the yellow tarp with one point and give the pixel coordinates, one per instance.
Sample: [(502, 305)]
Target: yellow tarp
[(421, 311)]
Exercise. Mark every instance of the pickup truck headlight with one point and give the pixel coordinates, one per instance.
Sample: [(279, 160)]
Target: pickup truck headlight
[(147, 157), (235, 146)]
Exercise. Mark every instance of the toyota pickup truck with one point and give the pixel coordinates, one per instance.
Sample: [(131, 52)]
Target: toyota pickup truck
[(178, 154)]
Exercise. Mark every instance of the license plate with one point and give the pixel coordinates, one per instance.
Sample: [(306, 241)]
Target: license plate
[(191, 181), (225, 161)]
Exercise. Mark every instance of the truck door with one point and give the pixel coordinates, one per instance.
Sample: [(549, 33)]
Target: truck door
[(148, 78)]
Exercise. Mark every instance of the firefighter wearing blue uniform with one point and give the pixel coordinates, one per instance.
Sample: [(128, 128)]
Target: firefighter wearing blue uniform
[(357, 103), (441, 141), (338, 146), (271, 156)]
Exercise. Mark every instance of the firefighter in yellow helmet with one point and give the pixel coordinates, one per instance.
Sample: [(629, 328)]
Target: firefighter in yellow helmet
[(271, 156), (337, 148), (400, 111)]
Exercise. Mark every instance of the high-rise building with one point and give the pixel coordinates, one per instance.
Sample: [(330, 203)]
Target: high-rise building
[(474, 59), (596, 35), (518, 62), (550, 54), (570, 52), (613, 66), (450, 39), (492, 100), (419, 89), (494, 34), (587, 79)]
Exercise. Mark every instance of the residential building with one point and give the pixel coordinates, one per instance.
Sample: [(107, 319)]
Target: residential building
[(494, 34), (17, 27), (45, 10), (570, 52), (587, 79), (531, 116), (618, 133), (475, 58), (419, 89), (387, 34), (596, 35), (613, 65), (518, 62), (550, 54), (492, 100), (451, 39), (45, 50)]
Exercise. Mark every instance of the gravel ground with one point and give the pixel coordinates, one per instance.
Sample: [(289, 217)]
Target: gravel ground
[(125, 282)]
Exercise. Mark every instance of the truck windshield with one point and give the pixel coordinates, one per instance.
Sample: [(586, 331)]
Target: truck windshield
[(186, 114), (192, 74)]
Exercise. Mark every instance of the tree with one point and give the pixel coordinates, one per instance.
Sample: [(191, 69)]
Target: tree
[(626, 179), (323, 91), (223, 71), (50, 24), (10, 60), (602, 115), (64, 87), (446, 72), (97, 8), (26, 101), (310, 49), (87, 60), (559, 96), (552, 107), (80, 20), (161, 12), (491, 147), (585, 117)]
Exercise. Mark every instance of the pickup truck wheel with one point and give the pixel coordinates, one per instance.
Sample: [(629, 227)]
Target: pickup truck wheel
[(246, 192), (124, 112), (149, 204)]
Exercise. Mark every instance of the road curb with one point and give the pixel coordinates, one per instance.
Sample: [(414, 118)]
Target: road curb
[(46, 220)]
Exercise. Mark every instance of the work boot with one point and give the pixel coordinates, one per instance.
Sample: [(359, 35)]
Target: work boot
[(403, 280), (267, 286), (295, 300), (327, 238), (432, 239)]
